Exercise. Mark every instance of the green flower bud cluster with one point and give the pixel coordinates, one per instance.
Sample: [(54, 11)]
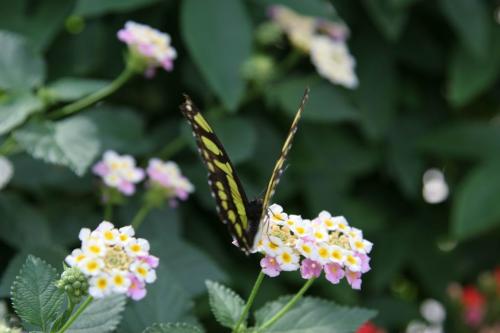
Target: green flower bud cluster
[(74, 283), (259, 68)]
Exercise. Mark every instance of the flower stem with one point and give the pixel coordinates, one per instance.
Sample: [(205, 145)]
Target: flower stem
[(141, 215), (95, 97), (250, 301), (108, 211), (287, 306), (75, 315)]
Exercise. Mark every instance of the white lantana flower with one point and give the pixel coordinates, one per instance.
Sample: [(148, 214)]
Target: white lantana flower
[(6, 171)]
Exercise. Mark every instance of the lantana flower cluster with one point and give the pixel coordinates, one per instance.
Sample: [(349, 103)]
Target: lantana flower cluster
[(150, 47), (325, 41), (325, 244), (120, 172), (114, 261)]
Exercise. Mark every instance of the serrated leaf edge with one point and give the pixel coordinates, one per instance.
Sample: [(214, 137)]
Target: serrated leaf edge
[(222, 287), (172, 325)]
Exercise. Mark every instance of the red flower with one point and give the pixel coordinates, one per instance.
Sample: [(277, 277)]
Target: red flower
[(369, 327), (472, 298)]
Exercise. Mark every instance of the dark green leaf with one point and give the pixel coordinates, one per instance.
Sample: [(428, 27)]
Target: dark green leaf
[(70, 88), (16, 110), (327, 103), (166, 301), (35, 297), (476, 207), (219, 52), (71, 142), (98, 7), (314, 315), (21, 67), (39, 21), (471, 20), (172, 328), (390, 19), (226, 305), (102, 316)]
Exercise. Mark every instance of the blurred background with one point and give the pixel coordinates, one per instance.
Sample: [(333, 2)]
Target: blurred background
[(427, 99)]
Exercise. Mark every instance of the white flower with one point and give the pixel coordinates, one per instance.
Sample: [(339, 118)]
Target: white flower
[(360, 245), (352, 262), (119, 281), (100, 286), (6, 171), (143, 272), (333, 61), (94, 247), (288, 259), (137, 247), (435, 189), (91, 266), (75, 258), (326, 219), (322, 253), (319, 233), (272, 245), (292, 220), (302, 228), (340, 224), (125, 234), (306, 248), (337, 254), (276, 214), (433, 311)]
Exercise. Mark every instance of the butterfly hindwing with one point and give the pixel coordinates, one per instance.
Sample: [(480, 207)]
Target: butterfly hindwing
[(231, 200), (279, 167)]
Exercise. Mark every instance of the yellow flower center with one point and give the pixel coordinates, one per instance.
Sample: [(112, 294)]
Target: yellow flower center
[(96, 249), (286, 257), (102, 283), (142, 271), (135, 247), (108, 235), (92, 266), (329, 223), (323, 252), (300, 230), (119, 280)]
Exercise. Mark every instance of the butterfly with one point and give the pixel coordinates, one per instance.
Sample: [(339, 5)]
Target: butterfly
[(244, 218)]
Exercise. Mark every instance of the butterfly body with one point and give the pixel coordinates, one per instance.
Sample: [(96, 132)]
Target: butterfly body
[(244, 218)]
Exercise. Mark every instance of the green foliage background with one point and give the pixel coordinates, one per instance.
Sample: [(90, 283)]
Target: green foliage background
[(428, 97)]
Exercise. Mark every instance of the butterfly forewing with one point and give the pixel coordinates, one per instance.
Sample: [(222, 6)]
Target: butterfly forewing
[(232, 203), (279, 167)]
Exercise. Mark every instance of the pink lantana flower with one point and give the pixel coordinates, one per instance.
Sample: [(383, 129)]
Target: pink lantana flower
[(149, 46), (167, 177), (137, 289), (310, 269), (270, 266), (119, 171), (334, 273), (354, 279)]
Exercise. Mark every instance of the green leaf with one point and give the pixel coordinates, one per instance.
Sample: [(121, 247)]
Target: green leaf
[(20, 221), (71, 142), (98, 7), (468, 76), (311, 7), (119, 128), (467, 139), (166, 301), (40, 21), (16, 110), (21, 67), (101, 316), (70, 88), (219, 52), (476, 208), (226, 305), (35, 297), (172, 328), (313, 315), (389, 19), (327, 103), (471, 20), (53, 255)]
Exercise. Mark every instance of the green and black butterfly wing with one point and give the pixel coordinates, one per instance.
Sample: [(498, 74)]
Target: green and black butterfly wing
[(233, 207), (243, 217)]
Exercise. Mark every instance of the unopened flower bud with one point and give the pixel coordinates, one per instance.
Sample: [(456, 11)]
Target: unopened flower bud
[(74, 283)]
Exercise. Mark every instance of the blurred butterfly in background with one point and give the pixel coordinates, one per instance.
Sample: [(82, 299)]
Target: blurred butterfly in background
[(244, 218)]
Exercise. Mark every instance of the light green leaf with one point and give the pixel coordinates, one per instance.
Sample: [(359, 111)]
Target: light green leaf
[(99, 7), (53, 255), (20, 221), (476, 208), (35, 297), (390, 19), (101, 316), (40, 21), (71, 142), (16, 110), (471, 20), (219, 52), (327, 103), (166, 301), (226, 305), (468, 77), (21, 67), (470, 140), (71, 88), (313, 315), (172, 328)]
